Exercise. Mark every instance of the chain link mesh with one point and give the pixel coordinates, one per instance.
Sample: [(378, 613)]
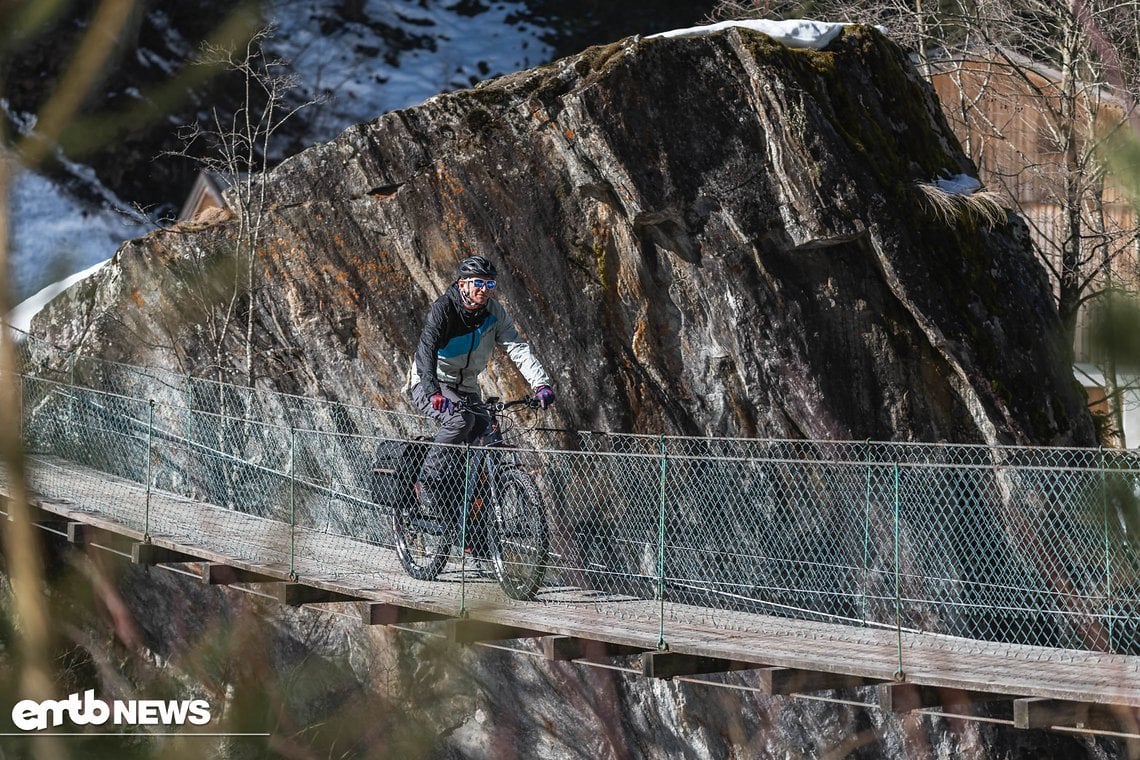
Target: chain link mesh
[(1002, 544)]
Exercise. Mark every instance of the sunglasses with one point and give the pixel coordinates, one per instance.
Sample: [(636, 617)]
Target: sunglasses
[(488, 284)]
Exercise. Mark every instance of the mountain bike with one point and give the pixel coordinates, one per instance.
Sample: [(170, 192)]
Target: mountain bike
[(503, 524)]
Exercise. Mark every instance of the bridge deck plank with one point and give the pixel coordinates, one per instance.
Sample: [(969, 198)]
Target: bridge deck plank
[(371, 571)]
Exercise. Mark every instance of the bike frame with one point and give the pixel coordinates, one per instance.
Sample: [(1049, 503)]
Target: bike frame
[(482, 459)]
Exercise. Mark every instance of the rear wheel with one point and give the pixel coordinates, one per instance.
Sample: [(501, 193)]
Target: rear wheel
[(422, 543), (519, 540)]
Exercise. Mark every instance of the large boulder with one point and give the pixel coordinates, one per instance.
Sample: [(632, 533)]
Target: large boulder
[(710, 235)]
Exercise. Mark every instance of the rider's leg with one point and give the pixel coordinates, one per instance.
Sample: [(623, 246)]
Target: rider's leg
[(477, 519), (439, 473)]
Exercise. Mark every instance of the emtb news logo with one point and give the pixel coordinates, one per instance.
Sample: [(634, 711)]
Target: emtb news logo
[(30, 715)]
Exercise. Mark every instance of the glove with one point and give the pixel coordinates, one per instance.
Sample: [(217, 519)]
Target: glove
[(440, 403), (545, 396)]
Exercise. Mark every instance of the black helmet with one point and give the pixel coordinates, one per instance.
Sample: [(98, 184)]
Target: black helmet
[(475, 266)]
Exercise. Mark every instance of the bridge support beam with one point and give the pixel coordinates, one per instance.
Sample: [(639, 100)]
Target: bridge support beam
[(296, 594), (782, 681), (150, 554), (382, 613), (83, 534), (669, 664), (904, 697), (474, 631), (562, 648), (216, 574), (79, 533), (1040, 712), (41, 517)]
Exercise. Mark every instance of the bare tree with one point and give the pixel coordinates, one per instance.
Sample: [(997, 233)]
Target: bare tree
[(1051, 157), (235, 150), (1040, 89)]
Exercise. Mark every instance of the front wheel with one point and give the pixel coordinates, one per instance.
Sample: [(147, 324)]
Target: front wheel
[(422, 544), (518, 538)]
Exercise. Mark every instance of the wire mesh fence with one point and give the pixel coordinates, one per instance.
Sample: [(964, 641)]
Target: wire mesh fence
[(1003, 544)]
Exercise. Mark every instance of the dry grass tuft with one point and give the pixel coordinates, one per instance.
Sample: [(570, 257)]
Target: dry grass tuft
[(984, 207)]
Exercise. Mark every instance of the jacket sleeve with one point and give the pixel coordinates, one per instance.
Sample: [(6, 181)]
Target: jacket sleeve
[(519, 350), (430, 339)]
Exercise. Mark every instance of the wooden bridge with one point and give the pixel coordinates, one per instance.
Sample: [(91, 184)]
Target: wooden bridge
[(899, 576), (1043, 687)]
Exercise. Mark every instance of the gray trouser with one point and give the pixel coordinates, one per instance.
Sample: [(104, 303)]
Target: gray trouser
[(441, 462)]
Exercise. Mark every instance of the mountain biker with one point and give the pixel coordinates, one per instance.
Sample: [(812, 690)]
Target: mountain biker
[(463, 326)]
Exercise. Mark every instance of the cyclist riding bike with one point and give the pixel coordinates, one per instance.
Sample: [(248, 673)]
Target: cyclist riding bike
[(463, 326)]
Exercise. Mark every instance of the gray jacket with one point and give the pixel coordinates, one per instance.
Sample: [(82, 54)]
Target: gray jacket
[(456, 344)]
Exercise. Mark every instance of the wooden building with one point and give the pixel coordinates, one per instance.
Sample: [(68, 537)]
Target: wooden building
[(204, 196), (1007, 112)]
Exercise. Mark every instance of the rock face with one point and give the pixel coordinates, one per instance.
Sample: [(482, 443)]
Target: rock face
[(712, 235)]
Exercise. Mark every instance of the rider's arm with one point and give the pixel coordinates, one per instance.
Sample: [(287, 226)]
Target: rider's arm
[(431, 338), (518, 349)]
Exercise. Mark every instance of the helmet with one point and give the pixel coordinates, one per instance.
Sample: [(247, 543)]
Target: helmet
[(475, 266)]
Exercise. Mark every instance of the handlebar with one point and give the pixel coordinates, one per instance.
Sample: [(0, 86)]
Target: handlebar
[(494, 405)]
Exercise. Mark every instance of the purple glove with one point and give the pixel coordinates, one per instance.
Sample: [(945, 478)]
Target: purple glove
[(440, 403), (545, 396)]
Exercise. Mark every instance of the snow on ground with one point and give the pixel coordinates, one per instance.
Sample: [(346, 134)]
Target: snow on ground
[(959, 184), (55, 235), (21, 316), (403, 55)]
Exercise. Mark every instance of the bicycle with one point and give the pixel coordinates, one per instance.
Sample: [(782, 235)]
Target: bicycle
[(504, 509)]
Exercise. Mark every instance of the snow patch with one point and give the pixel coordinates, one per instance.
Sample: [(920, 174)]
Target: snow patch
[(54, 234), (799, 33), (21, 316), (959, 184), (398, 55)]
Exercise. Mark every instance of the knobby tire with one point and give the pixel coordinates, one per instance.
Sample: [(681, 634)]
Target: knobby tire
[(423, 545), (519, 541)]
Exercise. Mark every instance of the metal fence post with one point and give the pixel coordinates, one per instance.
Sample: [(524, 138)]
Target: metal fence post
[(72, 435), (1110, 605), (661, 645), (899, 674), (187, 476), (149, 468), (292, 504), (867, 531), (463, 510)]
